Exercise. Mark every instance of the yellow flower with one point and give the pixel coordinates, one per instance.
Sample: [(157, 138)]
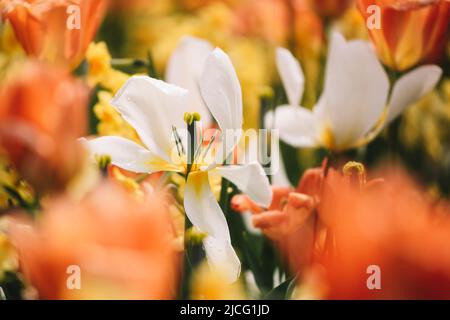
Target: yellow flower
[(218, 16), (99, 61), (254, 76), (426, 123), (210, 284), (114, 80), (100, 70)]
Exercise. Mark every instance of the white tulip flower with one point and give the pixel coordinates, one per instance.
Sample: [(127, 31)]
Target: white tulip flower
[(353, 107), (156, 110)]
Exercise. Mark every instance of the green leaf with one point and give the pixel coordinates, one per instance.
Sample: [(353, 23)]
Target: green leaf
[(12, 286), (263, 280), (151, 68), (283, 291), (291, 161)]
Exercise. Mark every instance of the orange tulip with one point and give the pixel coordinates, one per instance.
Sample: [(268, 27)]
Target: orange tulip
[(58, 31), (330, 8), (410, 32), (390, 231), (42, 114), (118, 247)]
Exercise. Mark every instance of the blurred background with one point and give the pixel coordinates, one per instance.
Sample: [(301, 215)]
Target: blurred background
[(40, 159)]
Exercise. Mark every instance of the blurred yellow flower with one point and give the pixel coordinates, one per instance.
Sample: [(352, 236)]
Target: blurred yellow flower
[(211, 284), (100, 70), (427, 123), (99, 61)]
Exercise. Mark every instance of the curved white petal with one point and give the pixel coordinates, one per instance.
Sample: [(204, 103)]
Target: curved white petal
[(411, 87), (152, 107), (297, 126), (291, 74), (127, 154), (355, 92), (184, 69), (220, 88), (251, 180), (221, 255), (205, 213)]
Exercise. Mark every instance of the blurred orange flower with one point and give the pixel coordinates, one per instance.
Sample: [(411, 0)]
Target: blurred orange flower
[(57, 31), (410, 32), (122, 247), (42, 114), (391, 226), (268, 19), (330, 8)]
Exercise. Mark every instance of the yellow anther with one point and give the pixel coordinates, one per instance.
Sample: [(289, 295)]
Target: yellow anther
[(191, 117), (188, 118), (197, 116), (352, 166)]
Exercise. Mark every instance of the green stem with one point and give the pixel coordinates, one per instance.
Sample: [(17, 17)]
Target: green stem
[(187, 265), (224, 196), (191, 146), (128, 63), (193, 253), (151, 68)]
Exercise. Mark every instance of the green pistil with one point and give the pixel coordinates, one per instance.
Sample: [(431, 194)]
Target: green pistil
[(191, 120)]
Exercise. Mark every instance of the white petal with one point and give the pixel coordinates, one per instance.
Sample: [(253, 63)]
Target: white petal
[(297, 125), (251, 180), (221, 255), (279, 175), (291, 74), (205, 213), (152, 107), (355, 92), (126, 154), (220, 88), (411, 87), (184, 69)]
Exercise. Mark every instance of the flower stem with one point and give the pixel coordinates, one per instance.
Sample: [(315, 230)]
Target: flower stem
[(191, 146)]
